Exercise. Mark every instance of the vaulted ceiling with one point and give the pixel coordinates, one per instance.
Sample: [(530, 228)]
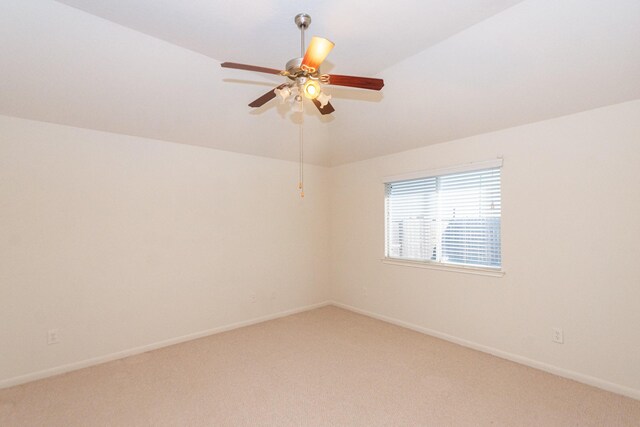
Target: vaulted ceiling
[(452, 69)]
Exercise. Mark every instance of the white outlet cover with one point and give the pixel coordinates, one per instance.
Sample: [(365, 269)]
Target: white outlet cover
[(53, 336), (558, 336)]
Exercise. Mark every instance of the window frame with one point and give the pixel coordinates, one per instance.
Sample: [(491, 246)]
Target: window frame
[(439, 265)]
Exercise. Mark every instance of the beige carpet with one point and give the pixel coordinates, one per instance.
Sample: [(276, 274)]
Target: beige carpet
[(319, 368)]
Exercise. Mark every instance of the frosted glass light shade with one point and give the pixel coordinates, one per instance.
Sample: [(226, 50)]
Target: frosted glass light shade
[(324, 99), (284, 93)]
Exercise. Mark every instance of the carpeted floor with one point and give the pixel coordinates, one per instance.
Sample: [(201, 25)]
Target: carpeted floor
[(319, 368)]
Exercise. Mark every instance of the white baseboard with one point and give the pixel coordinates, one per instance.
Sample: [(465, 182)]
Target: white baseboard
[(576, 376), (586, 379), (21, 379)]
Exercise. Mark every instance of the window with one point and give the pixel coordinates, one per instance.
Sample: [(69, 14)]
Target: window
[(451, 218)]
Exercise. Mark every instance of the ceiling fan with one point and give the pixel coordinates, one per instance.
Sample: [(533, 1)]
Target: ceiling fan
[(304, 74)]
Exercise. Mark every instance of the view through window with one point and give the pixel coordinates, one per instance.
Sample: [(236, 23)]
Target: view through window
[(448, 219)]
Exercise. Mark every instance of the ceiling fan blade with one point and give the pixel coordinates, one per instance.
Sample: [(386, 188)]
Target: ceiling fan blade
[(317, 51), (266, 97), (354, 81), (327, 109), (249, 68)]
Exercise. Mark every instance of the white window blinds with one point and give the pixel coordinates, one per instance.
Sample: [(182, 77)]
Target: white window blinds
[(449, 219)]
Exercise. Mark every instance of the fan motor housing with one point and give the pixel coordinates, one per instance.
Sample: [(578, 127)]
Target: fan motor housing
[(293, 66), (295, 71)]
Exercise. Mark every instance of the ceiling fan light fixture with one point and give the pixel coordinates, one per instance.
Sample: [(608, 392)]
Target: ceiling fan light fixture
[(284, 93), (317, 51), (311, 89), (323, 99)]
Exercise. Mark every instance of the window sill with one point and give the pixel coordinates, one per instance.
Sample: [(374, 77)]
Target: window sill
[(445, 267)]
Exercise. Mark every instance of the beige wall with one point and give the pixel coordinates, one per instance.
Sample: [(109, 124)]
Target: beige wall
[(571, 252), (122, 242)]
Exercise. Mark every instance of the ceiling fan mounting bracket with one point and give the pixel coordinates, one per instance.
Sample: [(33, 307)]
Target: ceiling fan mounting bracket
[(303, 21)]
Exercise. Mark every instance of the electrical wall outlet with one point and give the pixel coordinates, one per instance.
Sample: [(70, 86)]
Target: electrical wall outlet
[(53, 337), (558, 336)]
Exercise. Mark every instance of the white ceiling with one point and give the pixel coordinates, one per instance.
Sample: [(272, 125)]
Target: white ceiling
[(452, 69), (263, 32)]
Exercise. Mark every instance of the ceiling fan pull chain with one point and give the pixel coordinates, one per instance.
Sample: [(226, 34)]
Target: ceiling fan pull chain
[(300, 159), (301, 183)]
